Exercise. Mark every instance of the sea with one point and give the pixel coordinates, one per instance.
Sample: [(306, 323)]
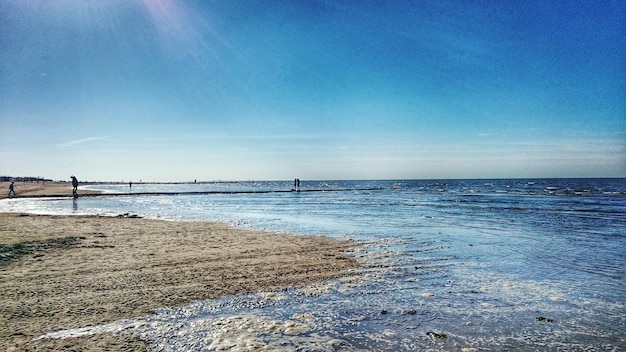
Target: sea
[(458, 265)]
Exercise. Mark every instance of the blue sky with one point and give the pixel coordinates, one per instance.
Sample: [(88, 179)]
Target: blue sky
[(164, 90)]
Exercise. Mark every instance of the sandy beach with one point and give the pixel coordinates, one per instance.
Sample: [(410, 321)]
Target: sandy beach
[(62, 272), (41, 189)]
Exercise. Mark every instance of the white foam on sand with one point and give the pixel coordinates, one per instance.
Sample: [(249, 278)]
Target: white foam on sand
[(240, 323), (175, 331)]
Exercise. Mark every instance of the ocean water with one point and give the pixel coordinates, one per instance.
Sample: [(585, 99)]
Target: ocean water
[(486, 265)]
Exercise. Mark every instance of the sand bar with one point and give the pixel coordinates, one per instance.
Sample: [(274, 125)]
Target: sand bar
[(41, 189), (63, 272)]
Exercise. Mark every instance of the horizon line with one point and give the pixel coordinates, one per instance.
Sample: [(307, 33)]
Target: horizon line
[(43, 179)]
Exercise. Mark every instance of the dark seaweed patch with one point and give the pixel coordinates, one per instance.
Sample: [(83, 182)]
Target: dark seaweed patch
[(9, 253), (548, 320), (435, 335)]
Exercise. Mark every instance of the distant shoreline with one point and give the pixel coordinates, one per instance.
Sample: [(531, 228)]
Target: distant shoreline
[(63, 189), (41, 189), (122, 182)]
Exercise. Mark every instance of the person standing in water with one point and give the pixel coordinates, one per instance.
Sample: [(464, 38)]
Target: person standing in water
[(74, 185)]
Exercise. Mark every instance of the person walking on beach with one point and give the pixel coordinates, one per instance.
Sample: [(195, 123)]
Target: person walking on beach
[(11, 190), (74, 185)]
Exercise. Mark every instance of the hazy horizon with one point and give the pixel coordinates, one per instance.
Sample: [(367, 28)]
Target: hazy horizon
[(136, 182)]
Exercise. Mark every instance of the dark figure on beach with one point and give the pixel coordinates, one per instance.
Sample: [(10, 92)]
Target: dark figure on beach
[(74, 185), (11, 190), (296, 185), (130, 184)]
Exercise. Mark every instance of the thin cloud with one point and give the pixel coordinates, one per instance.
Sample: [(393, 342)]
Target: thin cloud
[(272, 136), (80, 141)]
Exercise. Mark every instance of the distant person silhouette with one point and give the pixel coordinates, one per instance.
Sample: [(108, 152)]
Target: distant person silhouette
[(11, 190), (130, 184), (74, 185)]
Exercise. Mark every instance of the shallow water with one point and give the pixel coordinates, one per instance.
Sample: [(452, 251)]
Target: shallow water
[(448, 264)]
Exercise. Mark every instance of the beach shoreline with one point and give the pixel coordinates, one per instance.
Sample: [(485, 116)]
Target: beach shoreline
[(64, 272), (42, 189)]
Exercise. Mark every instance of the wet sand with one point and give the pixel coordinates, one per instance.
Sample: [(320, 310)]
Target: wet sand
[(63, 272), (41, 189)]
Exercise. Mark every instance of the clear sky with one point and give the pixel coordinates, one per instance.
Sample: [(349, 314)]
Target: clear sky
[(168, 90)]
